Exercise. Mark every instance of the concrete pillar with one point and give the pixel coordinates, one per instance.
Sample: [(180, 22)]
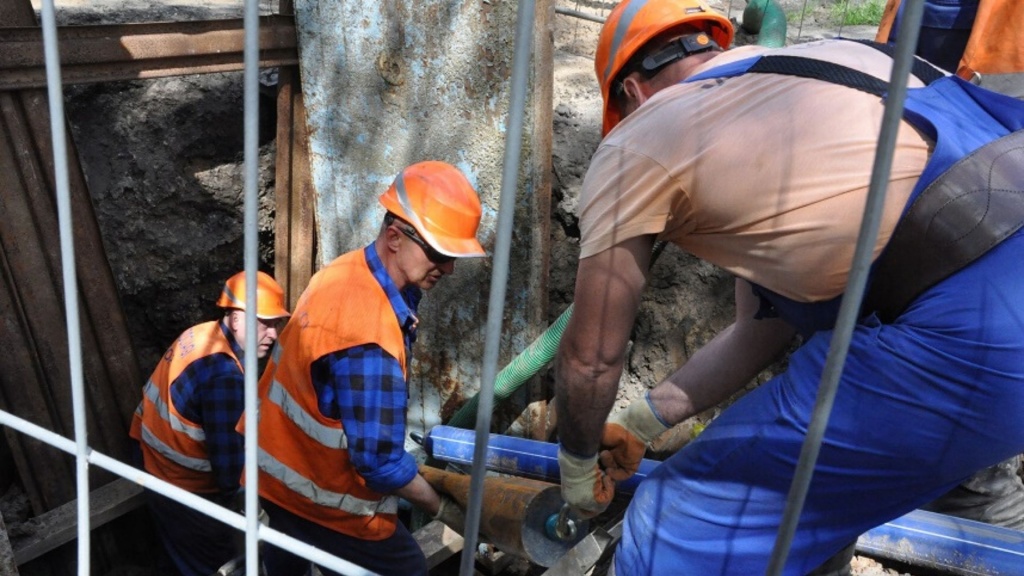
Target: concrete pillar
[(388, 83)]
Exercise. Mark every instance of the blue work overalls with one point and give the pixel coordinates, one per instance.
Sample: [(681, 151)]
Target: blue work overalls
[(924, 400)]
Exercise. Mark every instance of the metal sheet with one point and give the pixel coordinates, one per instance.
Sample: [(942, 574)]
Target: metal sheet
[(390, 83)]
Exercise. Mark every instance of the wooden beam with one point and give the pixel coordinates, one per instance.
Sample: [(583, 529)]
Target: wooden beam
[(60, 525), (295, 220), (438, 542), (101, 53)]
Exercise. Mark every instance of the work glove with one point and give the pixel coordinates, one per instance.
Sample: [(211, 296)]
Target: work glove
[(585, 487), (626, 436), (449, 514)]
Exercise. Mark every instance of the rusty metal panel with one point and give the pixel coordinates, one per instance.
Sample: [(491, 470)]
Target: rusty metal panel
[(101, 53), (388, 83), (34, 377)]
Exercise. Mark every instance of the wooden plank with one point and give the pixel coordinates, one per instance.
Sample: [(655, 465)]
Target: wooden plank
[(295, 233), (7, 565), (106, 52), (60, 525), (438, 542), (34, 300), (46, 473)]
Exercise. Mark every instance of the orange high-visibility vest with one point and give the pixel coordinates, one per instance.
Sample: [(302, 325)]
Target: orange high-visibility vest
[(994, 54), (174, 447), (304, 464)]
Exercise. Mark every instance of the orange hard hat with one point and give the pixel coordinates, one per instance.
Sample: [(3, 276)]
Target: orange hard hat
[(269, 296), (634, 23), (440, 203)]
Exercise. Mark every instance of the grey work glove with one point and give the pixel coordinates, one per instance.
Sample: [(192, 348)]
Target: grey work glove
[(585, 486), (451, 515)]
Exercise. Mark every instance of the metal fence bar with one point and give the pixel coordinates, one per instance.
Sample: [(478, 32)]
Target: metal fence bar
[(184, 497), (499, 276), (250, 84), (55, 98), (850, 307)]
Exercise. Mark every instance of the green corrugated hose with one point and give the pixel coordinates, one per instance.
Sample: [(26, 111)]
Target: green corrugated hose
[(530, 361), (766, 19)]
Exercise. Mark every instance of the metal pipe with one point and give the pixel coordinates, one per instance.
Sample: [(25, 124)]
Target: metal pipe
[(578, 14), (849, 309), (55, 97), (499, 277), (517, 515), (512, 455), (184, 497)]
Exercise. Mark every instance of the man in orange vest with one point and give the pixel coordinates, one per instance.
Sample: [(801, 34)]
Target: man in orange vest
[(185, 425), (333, 399)]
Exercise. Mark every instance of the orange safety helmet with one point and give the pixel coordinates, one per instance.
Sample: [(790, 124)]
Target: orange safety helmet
[(441, 204), (269, 296), (634, 23)]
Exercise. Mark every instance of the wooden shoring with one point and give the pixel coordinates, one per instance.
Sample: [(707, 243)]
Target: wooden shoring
[(35, 378)]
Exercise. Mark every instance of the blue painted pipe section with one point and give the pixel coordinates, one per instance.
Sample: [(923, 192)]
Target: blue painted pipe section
[(937, 541), (511, 455), (947, 543)]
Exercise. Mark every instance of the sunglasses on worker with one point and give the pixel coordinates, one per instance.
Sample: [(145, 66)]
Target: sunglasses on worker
[(432, 254)]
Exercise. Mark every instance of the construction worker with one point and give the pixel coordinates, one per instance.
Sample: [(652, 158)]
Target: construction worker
[(185, 425), (333, 399), (759, 161), (977, 40)]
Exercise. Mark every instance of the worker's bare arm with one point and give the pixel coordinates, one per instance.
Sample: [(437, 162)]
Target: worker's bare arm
[(590, 356), (725, 364), (421, 494)]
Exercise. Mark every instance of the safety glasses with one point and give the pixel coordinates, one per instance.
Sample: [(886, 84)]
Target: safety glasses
[(432, 254)]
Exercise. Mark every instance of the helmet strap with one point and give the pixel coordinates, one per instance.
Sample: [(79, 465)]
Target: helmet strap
[(678, 49)]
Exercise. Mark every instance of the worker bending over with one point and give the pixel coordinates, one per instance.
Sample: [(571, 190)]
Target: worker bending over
[(185, 425), (759, 161), (333, 399)]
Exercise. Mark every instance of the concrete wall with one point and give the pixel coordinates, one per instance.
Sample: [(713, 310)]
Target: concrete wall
[(389, 83)]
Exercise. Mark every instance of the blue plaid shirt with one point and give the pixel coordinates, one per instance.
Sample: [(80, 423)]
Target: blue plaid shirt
[(211, 393), (365, 388)]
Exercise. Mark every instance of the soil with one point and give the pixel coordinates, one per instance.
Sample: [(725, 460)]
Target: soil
[(163, 159)]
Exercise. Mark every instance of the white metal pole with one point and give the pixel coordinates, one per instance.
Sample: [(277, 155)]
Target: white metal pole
[(55, 97)]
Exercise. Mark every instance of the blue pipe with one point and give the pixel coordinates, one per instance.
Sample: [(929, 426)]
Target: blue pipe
[(936, 541), (947, 543), (511, 455)]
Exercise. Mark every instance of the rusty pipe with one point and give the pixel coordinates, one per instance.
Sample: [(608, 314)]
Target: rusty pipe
[(515, 513)]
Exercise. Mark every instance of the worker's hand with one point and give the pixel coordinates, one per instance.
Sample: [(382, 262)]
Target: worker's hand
[(626, 436), (451, 515), (585, 487)]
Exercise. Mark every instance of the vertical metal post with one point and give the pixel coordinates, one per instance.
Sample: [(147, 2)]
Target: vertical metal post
[(251, 258), (850, 307), (499, 277), (55, 97)]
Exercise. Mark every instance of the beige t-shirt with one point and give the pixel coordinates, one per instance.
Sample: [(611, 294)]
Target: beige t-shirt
[(764, 175)]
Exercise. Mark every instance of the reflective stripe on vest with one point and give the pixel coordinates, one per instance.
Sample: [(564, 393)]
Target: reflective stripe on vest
[(197, 464), (307, 488), (326, 435), (152, 392)]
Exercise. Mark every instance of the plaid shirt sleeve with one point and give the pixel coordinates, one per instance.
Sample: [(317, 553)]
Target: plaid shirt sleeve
[(211, 393), (363, 386)]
